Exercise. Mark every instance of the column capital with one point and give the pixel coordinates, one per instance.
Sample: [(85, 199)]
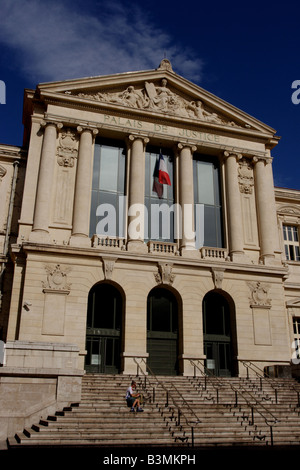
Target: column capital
[(238, 156), (81, 129), (265, 160), (132, 137), (182, 145), (58, 125)]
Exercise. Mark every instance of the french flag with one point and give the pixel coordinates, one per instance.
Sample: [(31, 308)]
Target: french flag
[(161, 176)]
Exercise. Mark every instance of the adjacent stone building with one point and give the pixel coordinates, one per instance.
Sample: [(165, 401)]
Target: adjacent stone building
[(108, 270)]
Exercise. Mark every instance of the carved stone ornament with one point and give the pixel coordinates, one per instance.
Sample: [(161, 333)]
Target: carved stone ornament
[(289, 210), (164, 274), (67, 149), (3, 172), (246, 180), (108, 267), (158, 97), (259, 295), (218, 276), (56, 278)]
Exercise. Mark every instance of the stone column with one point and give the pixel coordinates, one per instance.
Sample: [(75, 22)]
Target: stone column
[(186, 199), (136, 194), (40, 229), (234, 207), (82, 197), (266, 209)]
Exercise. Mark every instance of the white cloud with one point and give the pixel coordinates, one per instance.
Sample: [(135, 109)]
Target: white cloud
[(55, 40)]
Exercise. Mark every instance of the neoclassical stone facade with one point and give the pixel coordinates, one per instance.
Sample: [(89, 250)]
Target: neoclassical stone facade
[(87, 296)]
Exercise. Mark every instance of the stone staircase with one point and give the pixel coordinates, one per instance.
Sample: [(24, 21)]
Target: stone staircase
[(178, 411)]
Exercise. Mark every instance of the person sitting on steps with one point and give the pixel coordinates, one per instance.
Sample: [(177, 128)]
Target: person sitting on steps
[(133, 398)]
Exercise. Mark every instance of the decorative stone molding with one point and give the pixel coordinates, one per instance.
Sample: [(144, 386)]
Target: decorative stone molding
[(259, 294), (245, 176), (108, 267), (289, 210), (56, 279), (67, 150), (218, 276), (164, 274), (3, 172)]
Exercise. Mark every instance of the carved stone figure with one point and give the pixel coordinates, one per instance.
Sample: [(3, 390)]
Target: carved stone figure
[(158, 98)]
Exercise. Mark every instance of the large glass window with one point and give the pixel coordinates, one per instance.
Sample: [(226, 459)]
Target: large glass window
[(291, 242), (108, 189), (207, 199), (159, 225)]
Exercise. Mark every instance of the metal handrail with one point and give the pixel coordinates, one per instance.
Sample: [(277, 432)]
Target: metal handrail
[(237, 391), (261, 375), (170, 396)]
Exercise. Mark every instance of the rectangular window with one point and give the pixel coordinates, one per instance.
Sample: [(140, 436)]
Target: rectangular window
[(207, 200), (108, 190), (291, 242), (296, 328), (159, 220)]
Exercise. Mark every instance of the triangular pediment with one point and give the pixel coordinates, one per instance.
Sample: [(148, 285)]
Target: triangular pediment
[(293, 303), (160, 92)]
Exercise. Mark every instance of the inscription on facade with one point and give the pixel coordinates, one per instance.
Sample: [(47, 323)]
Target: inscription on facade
[(160, 128)]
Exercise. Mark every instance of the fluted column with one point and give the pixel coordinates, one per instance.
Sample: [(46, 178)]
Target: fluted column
[(136, 194), (266, 208), (234, 207), (186, 198), (40, 229), (82, 198)]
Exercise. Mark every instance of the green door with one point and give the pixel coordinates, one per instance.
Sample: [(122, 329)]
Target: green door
[(162, 332), (103, 335)]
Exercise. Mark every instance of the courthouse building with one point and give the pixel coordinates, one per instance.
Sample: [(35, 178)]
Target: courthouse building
[(104, 268)]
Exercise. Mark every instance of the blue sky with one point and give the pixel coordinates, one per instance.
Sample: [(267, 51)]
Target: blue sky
[(247, 53)]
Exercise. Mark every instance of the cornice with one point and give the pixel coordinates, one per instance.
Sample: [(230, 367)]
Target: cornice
[(228, 266)]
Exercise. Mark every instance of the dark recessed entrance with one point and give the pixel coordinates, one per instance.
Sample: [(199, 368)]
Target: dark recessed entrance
[(103, 335), (162, 332), (219, 335)]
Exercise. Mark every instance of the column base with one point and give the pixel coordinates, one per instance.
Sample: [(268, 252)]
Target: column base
[(130, 366), (39, 236), (187, 367), (190, 252), (137, 246), (239, 257), (270, 260), (80, 241)]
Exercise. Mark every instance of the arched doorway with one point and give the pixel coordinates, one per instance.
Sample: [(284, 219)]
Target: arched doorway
[(103, 334), (162, 331), (219, 335)]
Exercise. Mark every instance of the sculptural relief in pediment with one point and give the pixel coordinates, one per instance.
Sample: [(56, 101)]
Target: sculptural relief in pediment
[(158, 98)]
